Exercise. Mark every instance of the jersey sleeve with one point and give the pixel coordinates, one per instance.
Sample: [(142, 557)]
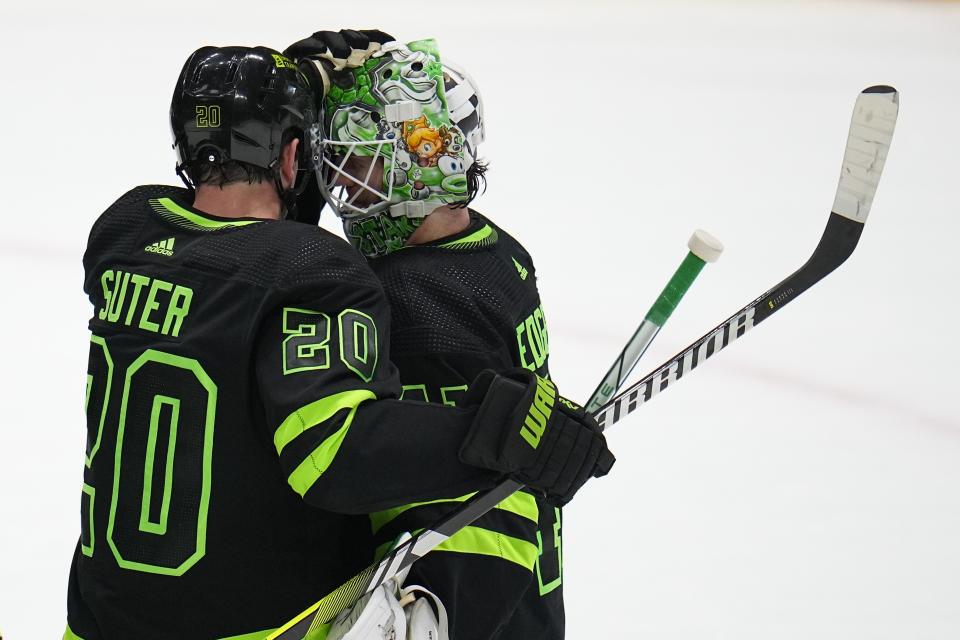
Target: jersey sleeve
[(330, 394)]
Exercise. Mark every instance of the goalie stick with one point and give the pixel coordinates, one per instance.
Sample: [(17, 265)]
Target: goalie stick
[(871, 130)]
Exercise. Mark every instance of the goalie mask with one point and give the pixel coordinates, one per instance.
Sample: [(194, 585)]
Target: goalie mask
[(402, 131)]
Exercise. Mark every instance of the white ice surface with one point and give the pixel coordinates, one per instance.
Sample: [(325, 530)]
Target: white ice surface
[(805, 483)]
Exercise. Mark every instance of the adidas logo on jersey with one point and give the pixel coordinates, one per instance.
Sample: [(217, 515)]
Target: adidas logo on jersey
[(164, 247), (520, 269)]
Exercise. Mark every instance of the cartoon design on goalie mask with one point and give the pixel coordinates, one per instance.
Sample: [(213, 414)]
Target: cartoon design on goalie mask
[(402, 133), (424, 141)]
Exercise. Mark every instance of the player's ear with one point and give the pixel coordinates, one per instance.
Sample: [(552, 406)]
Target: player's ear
[(289, 164)]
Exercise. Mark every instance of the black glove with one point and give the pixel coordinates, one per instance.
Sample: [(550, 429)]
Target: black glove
[(346, 49), (527, 431)]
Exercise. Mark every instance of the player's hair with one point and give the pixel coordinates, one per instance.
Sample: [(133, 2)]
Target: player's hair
[(476, 183), (203, 173)]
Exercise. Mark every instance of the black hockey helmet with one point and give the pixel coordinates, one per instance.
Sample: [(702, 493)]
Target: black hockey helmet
[(236, 103)]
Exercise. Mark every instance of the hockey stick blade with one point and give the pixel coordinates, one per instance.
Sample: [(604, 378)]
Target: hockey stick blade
[(871, 130)]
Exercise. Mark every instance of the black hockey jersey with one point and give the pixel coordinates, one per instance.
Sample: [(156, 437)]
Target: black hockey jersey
[(234, 364), (459, 305)]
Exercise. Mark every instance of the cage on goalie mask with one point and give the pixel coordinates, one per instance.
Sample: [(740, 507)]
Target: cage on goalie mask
[(402, 132)]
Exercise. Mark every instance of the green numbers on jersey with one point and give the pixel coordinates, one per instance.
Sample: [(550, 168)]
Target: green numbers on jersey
[(549, 566), (99, 379), (448, 395), (307, 347), (163, 412), (155, 524)]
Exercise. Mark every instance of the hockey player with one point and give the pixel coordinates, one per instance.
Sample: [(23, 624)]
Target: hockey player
[(241, 403), (401, 166)]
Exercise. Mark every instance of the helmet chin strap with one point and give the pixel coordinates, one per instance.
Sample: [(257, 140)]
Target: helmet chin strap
[(288, 197), (184, 178)]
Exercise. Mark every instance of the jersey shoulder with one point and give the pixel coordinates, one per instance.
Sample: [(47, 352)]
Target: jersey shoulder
[(510, 249), (483, 266), (284, 253), (467, 294), (268, 253), (118, 226)]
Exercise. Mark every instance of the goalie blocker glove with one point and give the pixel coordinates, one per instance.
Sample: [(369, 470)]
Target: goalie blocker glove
[(524, 429)]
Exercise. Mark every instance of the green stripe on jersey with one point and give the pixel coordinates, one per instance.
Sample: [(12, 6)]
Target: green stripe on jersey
[(478, 541), (256, 635), (520, 503), (481, 238), (312, 415), (172, 212), (70, 635)]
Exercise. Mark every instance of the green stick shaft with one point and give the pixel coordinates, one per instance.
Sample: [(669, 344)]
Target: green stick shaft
[(656, 317)]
